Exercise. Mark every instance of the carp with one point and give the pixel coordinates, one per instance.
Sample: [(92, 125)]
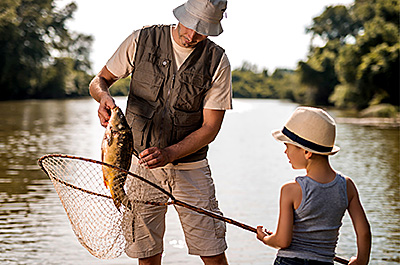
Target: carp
[(117, 150)]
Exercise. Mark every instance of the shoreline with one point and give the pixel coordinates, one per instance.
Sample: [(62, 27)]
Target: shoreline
[(371, 121)]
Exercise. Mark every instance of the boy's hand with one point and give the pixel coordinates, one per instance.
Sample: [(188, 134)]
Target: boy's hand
[(355, 261), (262, 233)]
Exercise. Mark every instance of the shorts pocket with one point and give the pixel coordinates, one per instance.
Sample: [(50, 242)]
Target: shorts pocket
[(220, 226)]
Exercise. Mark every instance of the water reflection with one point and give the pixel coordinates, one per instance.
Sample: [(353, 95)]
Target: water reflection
[(372, 160), (248, 168)]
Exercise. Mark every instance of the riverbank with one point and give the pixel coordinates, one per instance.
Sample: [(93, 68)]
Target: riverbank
[(371, 121), (382, 116)]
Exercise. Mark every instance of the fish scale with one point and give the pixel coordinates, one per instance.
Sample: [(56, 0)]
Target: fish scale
[(117, 150)]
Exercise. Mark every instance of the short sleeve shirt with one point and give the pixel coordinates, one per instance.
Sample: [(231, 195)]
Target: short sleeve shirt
[(219, 97)]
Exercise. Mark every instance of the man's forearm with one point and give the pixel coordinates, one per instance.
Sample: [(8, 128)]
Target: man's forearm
[(97, 87), (190, 144), (101, 83)]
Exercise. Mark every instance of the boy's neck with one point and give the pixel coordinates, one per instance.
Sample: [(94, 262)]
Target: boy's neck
[(320, 170)]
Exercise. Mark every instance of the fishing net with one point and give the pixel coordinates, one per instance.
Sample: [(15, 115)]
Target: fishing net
[(99, 225), (95, 220)]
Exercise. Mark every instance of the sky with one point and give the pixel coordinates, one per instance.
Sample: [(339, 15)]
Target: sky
[(267, 33)]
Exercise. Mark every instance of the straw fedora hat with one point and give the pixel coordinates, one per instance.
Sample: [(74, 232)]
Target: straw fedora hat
[(202, 16), (312, 129)]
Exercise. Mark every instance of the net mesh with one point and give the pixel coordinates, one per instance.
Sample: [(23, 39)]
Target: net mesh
[(102, 228), (95, 220)]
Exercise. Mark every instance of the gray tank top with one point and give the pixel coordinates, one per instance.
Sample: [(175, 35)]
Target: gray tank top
[(318, 219)]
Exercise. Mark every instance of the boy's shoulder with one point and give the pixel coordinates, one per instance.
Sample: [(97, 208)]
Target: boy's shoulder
[(290, 187), (291, 193)]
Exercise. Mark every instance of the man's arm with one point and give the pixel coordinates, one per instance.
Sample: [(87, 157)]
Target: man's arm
[(99, 90), (155, 157)]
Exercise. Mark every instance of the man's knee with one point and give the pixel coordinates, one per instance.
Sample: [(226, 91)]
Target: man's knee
[(154, 260), (215, 260)]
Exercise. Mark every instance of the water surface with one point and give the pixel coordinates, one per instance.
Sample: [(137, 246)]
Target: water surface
[(248, 167)]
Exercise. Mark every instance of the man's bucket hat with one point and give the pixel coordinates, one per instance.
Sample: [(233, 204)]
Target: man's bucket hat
[(202, 16), (310, 128)]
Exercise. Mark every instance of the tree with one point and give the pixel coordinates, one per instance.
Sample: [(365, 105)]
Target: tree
[(335, 23), (334, 27), (35, 44), (370, 72), (359, 61), (283, 83)]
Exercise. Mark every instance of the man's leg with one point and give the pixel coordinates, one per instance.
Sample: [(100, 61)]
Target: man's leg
[(215, 260), (205, 236), (154, 260)]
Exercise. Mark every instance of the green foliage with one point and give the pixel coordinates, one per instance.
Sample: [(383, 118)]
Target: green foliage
[(121, 87), (359, 64), (335, 23), (39, 57), (247, 83)]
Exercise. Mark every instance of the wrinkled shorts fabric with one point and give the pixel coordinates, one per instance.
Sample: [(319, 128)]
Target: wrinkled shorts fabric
[(190, 183), (296, 261)]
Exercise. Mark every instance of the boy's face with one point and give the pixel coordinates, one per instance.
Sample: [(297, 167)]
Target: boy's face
[(296, 156)]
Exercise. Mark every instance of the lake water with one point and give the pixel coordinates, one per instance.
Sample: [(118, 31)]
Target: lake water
[(248, 167)]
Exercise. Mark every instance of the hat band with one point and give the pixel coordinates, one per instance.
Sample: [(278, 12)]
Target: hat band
[(294, 137)]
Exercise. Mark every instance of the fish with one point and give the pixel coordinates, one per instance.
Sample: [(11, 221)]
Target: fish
[(117, 150)]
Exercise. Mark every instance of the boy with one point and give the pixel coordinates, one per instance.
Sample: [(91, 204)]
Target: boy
[(312, 206)]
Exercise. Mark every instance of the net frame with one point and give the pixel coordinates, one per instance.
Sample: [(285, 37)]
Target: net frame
[(116, 241)]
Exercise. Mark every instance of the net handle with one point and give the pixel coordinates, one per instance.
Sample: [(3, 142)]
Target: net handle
[(173, 200)]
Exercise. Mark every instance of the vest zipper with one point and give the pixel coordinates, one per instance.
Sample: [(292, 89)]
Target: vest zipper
[(165, 109)]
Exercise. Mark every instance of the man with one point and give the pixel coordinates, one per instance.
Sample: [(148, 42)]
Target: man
[(179, 91)]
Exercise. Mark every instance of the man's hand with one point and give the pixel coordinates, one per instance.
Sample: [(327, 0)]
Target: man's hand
[(154, 157), (99, 90), (106, 104)]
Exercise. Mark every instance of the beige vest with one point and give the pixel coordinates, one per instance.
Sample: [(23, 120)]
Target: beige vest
[(165, 105)]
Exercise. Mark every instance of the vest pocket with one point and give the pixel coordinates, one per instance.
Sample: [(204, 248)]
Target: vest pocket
[(191, 93), (139, 118), (146, 85), (185, 123)]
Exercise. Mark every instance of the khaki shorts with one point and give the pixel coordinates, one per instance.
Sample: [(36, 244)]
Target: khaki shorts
[(190, 183)]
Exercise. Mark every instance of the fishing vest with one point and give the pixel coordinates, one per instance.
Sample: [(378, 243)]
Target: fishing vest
[(165, 105)]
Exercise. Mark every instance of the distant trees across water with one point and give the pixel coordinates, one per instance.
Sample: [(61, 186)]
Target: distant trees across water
[(356, 66), (39, 56)]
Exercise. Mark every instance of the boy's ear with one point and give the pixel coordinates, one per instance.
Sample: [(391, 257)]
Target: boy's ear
[(307, 154)]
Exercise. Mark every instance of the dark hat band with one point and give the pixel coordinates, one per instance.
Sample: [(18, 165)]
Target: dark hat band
[(313, 146)]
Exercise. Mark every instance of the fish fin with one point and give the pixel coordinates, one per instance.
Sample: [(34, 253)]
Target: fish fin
[(105, 182), (110, 138), (105, 177), (117, 204), (115, 197)]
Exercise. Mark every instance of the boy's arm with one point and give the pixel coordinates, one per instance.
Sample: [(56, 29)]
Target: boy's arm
[(283, 235), (360, 224)]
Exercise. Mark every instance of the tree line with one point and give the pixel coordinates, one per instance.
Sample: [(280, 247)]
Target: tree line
[(39, 56), (356, 66)]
